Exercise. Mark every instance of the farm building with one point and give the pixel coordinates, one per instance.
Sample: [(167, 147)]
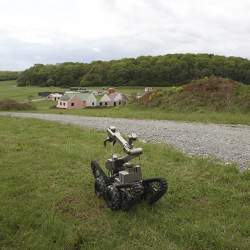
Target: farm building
[(54, 96), (113, 99), (148, 89), (78, 89), (73, 100), (99, 92)]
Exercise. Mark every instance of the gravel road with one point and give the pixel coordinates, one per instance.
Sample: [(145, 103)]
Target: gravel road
[(230, 143)]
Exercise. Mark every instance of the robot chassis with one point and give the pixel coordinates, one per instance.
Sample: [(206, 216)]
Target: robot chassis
[(123, 187)]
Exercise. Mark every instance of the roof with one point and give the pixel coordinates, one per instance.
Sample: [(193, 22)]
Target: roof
[(99, 97), (55, 95), (105, 98), (118, 97), (114, 97), (65, 98), (83, 96)]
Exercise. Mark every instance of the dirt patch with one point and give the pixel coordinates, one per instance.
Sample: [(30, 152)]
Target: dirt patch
[(148, 98), (212, 85), (79, 206)]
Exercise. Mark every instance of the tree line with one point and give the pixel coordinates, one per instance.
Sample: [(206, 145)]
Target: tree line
[(8, 75), (165, 70)]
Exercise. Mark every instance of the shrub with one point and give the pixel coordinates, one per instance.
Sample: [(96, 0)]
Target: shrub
[(14, 105), (207, 94)]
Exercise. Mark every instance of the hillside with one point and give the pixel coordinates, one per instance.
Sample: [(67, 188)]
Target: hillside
[(167, 70), (208, 94)]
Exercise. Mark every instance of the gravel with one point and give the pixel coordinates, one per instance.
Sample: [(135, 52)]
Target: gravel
[(230, 143)]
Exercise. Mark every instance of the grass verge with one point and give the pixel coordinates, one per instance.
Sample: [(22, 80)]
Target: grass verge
[(47, 198), (134, 112)]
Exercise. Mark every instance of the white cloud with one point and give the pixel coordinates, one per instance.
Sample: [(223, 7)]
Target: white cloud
[(51, 31), (97, 50)]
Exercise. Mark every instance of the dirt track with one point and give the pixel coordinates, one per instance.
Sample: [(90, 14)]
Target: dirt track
[(229, 143)]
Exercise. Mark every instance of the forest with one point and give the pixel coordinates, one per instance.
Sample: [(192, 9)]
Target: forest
[(165, 70)]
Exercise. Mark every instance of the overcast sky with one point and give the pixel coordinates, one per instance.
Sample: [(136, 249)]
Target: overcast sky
[(52, 31)]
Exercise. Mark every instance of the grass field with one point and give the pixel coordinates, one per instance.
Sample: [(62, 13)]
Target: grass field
[(9, 90), (47, 198)]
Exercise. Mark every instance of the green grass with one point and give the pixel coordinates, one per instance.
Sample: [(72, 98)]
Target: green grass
[(126, 90), (9, 90), (47, 198), (134, 112)]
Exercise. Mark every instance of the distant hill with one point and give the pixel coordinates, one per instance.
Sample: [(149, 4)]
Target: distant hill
[(208, 94), (166, 70), (8, 75)]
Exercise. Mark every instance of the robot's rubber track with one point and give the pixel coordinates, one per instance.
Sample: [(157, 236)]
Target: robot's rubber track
[(154, 189), (126, 195), (98, 172)]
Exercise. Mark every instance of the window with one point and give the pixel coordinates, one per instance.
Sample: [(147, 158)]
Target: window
[(93, 104), (60, 103), (72, 104), (100, 103), (106, 103), (64, 104)]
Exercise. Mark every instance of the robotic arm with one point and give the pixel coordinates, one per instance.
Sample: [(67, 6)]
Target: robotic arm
[(114, 136)]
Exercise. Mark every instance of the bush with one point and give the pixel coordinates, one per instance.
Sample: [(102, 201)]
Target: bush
[(14, 105)]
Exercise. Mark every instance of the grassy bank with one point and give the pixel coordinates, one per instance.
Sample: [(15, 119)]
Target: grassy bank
[(47, 199), (206, 95)]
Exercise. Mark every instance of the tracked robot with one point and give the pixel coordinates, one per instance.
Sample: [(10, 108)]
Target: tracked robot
[(123, 187)]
